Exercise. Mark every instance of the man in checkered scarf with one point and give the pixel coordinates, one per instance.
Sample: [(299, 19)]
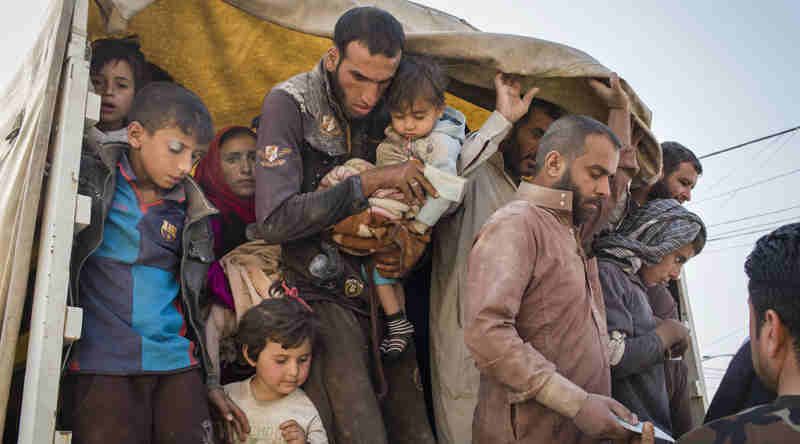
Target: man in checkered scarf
[(652, 231)]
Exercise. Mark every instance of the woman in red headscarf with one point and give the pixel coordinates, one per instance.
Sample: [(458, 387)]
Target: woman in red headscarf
[(226, 176)]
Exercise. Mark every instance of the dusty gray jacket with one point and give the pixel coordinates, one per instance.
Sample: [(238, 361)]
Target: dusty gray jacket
[(637, 376)]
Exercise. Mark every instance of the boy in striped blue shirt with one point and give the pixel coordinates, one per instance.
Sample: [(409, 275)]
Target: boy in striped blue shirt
[(138, 272)]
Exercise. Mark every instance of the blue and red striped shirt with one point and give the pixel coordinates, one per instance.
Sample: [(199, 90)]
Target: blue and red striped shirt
[(133, 320)]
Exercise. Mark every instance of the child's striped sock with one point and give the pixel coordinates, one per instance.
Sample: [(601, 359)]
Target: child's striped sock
[(400, 332)]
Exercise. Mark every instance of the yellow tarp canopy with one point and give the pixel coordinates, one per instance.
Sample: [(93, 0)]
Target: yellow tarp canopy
[(231, 53)]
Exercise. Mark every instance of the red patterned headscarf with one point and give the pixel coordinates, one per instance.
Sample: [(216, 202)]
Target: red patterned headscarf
[(209, 175)]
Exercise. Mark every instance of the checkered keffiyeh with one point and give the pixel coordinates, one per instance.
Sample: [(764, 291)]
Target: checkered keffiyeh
[(651, 232)]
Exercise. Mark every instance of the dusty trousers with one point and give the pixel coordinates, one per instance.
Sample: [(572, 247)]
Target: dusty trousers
[(676, 374), (341, 387)]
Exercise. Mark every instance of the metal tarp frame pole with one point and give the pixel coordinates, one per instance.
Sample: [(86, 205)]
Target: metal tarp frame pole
[(25, 226), (695, 379), (45, 346)]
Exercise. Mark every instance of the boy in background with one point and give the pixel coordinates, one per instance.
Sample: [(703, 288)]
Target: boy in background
[(118, 70)]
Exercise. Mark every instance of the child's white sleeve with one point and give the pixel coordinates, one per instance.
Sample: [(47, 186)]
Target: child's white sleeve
[(316, 432)]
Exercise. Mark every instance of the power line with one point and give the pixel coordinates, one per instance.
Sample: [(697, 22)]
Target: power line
[(725, 337), (732, 247), (741, 219), (748, 164), (749, 142), (747, 233), (785, 141), (750, 227), (754, 184)]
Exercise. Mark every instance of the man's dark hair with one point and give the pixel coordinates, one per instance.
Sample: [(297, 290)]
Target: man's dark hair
[(675, 154), (774, 271), (550, 109), (417, 77), (110, 50), (166, 105), (280, 319), (378, 30), (255, 122), (567, 136)]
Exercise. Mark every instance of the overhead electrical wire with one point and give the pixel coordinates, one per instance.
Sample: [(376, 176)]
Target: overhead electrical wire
[(725, 337), (747, 233), (732, 247), (749, 142), (754, 184), (750, 227), (785, 142), (754, 216), (774, 146)]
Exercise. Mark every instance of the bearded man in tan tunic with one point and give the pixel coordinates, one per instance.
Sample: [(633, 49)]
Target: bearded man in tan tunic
[(535, 321)]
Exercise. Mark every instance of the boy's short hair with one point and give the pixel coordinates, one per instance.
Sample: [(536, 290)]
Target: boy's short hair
[(417, 77), (378, 30), (166, 105), (281, 318), (774, 271), (127, 49)]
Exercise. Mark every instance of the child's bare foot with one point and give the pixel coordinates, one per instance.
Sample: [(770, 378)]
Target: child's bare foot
[(400, 333)]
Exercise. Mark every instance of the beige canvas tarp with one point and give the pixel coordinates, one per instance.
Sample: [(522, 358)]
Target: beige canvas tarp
[(233, 52), (26, 117)]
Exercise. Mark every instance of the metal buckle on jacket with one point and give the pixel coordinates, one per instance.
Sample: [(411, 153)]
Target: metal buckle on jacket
[(353, 287)]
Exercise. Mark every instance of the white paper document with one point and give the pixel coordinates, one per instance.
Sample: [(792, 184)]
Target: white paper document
[(660, 434)]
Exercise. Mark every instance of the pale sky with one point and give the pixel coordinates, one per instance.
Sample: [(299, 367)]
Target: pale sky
[(715, 74)]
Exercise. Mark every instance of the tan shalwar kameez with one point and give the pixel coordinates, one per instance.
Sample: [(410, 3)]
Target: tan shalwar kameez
[(535, 322), (454, 377)]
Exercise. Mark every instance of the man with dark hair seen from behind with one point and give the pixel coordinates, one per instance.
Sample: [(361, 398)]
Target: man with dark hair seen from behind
[(535, 321), (310, 124), (774, 272)]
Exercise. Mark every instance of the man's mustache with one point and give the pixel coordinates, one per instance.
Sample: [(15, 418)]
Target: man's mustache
[(598, 201)]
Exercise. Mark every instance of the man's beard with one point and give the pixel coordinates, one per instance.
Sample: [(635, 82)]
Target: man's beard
[(659, 191), (579, 213), (514, 162), (338, 92), (507, 148)]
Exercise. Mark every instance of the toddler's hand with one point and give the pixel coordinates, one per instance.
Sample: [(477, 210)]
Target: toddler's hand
[(292, 432)]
